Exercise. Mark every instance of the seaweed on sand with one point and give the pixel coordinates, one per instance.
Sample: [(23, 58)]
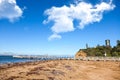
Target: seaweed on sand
[(57, 72)]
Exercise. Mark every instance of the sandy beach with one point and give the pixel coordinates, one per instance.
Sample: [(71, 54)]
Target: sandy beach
[(61, 70)]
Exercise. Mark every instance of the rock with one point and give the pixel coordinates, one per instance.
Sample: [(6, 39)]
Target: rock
[(80, 54)]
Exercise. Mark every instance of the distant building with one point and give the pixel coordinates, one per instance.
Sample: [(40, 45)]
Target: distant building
[(118, 42), (86, 46), (105, 54), (107, 43)]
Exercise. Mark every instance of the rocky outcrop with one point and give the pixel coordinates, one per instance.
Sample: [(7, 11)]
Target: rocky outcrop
[(80, 54)]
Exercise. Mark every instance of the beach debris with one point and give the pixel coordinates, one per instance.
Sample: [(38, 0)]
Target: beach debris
[(51, 78), (68, 67), (57, 72)]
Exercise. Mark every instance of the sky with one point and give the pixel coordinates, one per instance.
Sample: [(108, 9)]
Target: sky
[(57, 27)]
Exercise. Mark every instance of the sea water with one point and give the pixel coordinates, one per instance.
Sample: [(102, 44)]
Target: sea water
[(10, 59)]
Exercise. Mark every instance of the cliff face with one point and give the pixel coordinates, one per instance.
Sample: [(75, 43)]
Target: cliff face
[(80, 54)]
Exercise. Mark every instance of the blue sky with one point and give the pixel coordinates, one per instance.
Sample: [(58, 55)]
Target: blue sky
[(57, 27)]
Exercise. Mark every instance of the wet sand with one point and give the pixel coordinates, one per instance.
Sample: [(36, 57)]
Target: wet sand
[(61, 70)]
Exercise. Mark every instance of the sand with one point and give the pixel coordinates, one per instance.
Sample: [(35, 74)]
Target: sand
[(61, 70)]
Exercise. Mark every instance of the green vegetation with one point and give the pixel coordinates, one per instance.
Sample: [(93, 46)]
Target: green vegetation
[(102, 50)]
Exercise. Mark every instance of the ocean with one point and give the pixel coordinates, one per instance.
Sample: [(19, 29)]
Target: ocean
[(10, 59)]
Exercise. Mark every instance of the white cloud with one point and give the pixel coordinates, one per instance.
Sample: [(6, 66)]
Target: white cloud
[(9, 10), (54, 36), (85, 13)]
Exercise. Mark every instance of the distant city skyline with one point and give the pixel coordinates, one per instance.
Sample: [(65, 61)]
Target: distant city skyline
[(57, 27)]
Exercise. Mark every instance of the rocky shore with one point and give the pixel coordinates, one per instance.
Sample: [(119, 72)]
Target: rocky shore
[(61, 70)]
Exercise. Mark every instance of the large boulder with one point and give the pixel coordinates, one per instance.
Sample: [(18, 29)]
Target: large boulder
[(80, 54)]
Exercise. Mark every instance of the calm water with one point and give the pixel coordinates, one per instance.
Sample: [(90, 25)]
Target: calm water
[(11, 59)]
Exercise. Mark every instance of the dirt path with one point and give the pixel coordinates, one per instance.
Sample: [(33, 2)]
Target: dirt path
[(61, 70)]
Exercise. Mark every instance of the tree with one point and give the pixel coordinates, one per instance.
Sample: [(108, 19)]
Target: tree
[(101, 50)]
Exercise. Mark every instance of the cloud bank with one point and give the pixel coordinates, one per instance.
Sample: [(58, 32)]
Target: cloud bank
[(9, 10), (85, 13)]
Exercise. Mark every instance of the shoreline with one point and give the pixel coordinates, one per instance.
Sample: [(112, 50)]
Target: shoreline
[(40, 61), (61, 70)]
